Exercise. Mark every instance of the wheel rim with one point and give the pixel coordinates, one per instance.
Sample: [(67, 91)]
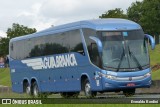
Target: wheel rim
[(35, 91), (88, 89), (28, 90)]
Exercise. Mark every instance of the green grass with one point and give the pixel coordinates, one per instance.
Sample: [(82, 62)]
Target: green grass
[(156, 75), (5, 77), (155, 59), (155, 55)]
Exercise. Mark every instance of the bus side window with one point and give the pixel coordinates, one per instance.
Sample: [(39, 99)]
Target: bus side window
[(11, 46), (75, 42), (11, 49)]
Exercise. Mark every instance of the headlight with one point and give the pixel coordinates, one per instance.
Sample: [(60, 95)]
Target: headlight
[(147, 75), (108, 76)]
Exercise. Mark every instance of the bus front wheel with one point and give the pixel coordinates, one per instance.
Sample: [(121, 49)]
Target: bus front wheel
[(129, 92), (87, 90)]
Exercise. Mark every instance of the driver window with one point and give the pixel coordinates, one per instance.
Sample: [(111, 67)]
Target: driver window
[(92, 47), (94, 55)]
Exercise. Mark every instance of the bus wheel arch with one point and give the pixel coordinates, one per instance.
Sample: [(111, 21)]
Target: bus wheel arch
[(26, 86), (86, 87), (83, 78)]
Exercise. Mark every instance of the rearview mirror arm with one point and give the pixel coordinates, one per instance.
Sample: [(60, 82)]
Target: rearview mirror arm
[(152, 41)]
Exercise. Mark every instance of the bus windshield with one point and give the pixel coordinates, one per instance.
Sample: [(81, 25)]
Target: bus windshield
[(124, 50)]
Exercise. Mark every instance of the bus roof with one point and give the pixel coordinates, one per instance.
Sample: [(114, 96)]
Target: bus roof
[(109, 24)]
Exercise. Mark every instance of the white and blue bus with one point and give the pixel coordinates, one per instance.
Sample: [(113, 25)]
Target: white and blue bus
[(103, 55)]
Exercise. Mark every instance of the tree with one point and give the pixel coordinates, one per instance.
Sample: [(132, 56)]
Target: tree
[(147, 14), (4, 46), (15, 31), (134, 12), (150, 19), (115, 13), (19, 30)]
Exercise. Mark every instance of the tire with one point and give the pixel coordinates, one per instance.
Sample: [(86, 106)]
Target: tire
[(87, 90), (35, 90), (70, 94), (129, 92), (27, 88)]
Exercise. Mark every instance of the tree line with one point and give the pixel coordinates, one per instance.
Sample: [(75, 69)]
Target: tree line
[(15, 31), (146, 13)]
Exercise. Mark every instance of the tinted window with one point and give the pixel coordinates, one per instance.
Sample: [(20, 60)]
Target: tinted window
[(48, 45), (75, 42)]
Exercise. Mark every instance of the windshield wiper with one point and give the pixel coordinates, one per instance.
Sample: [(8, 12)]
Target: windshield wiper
[(135, 59), (122, 55)]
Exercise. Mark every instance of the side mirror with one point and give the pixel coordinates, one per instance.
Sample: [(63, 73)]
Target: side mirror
[(98, 42), (152, 41)]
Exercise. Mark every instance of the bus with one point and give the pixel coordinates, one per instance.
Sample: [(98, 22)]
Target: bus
[(100, 55)]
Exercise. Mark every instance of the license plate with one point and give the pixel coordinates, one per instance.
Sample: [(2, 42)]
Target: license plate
[(130, 84)]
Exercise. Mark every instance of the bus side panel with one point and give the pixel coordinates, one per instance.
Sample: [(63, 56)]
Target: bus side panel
[(92, 73), (18, 73), (68, 79), (63, 79), (16, 77)]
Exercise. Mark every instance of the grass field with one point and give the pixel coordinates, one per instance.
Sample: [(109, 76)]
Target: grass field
[(5, 77), (154, 60), (155, 55)]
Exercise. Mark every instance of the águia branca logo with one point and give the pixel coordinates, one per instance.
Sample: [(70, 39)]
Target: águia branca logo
[(51, 62)]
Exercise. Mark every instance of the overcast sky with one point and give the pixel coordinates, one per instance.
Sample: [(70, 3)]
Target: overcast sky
[(41, 14)]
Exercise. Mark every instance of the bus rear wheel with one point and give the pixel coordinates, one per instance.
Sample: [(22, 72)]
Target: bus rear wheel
[(87, 90), (129, 92), (27, 88), (36, 93), (35, 90)]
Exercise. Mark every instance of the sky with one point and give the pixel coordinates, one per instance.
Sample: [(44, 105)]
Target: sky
[(42, 14)]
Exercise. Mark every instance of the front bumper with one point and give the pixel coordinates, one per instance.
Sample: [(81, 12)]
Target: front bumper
[(112, 85), (127, 80)]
